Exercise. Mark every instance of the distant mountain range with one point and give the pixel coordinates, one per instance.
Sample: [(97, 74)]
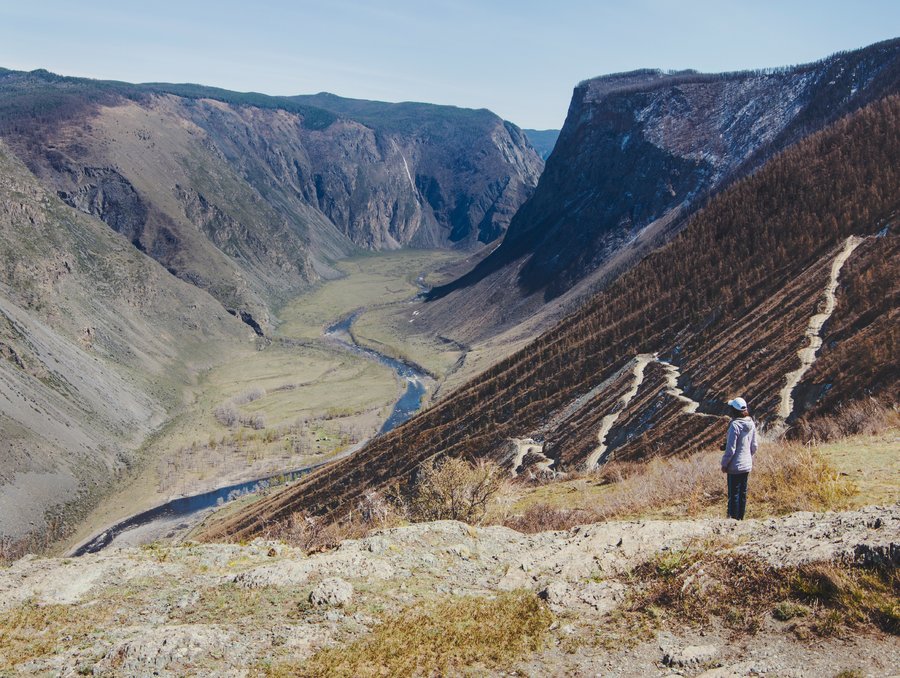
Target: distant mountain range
[(252, 197), (769, 207)]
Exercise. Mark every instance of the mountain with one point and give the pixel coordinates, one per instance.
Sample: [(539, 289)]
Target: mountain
[(543, 140), (638, 154), (469, 169), (251, 197), (96, 338), (803, 252)]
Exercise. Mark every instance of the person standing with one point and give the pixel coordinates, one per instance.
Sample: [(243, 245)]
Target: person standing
[(740, 446)]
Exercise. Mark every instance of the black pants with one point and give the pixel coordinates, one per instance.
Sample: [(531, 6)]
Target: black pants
[(737, 495)]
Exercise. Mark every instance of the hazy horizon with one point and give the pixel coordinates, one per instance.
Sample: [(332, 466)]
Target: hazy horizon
[(519, 59)]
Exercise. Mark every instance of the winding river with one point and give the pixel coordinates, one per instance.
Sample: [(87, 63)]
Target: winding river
[(179, 514)]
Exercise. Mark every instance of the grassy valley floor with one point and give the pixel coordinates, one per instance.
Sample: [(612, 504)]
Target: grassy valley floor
[(279, 405)]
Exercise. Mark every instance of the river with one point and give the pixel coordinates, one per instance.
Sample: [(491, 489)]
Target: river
[(179, 514)]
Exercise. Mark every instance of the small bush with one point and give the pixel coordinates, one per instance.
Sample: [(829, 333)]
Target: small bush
[(249, 396), (454, 489), (227, 415), (254, 421)]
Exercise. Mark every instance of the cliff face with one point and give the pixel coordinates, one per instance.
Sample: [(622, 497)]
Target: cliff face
[(250, 197), (461, 174), (642, 148)]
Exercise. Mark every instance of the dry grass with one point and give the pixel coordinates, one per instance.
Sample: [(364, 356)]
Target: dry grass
[(787, 477), (825, 599), (864, 417), (30, 630), (444, 637)]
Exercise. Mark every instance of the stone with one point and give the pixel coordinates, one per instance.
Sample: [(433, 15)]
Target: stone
[(675, 654), (332, 592)]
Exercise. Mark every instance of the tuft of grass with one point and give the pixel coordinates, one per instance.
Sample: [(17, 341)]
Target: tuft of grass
[(858, 596), (438, 638), (788, 609)]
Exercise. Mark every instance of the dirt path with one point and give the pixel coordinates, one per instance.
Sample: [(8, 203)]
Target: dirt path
[(807, 355), (523, 447), (672, 376), (640, 362)]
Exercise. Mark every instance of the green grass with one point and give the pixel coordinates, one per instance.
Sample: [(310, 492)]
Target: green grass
[(374, 279), (872, 463), (390, 331), (441, 637)]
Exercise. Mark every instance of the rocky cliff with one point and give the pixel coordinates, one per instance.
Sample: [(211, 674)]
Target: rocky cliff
[(641, 151), (251, 197)]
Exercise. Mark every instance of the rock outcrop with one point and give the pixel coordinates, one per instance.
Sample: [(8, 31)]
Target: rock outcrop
[(170, 610)]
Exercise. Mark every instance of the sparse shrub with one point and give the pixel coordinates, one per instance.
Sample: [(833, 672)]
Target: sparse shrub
[(249, 396), (543, 517), (864, 417), (314, 533), (227, 415), (454, 489), (375, 510), (254, 421)]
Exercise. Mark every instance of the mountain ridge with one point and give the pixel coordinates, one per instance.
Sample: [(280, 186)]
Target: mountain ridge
[(289, 187), (639, 153)]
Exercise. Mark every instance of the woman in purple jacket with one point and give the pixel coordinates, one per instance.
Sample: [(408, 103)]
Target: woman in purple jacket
[(740, 446)]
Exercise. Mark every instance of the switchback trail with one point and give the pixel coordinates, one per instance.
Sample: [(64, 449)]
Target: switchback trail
[(639, 364), (529, 445), (807, 354)]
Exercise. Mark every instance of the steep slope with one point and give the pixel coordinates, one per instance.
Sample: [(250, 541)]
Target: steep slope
[(95, 340), (639, 153), (468, 171), (722, 310), (251, 197)]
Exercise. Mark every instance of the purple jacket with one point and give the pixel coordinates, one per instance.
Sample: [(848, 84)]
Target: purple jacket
[(740, 446)]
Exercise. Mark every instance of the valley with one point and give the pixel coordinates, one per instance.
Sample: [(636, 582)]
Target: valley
[(300, 399)]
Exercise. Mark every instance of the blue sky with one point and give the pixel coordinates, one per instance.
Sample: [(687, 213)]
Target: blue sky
[(520, 59)]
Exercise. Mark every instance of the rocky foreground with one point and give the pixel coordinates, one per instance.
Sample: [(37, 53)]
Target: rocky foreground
[(236, 610)]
